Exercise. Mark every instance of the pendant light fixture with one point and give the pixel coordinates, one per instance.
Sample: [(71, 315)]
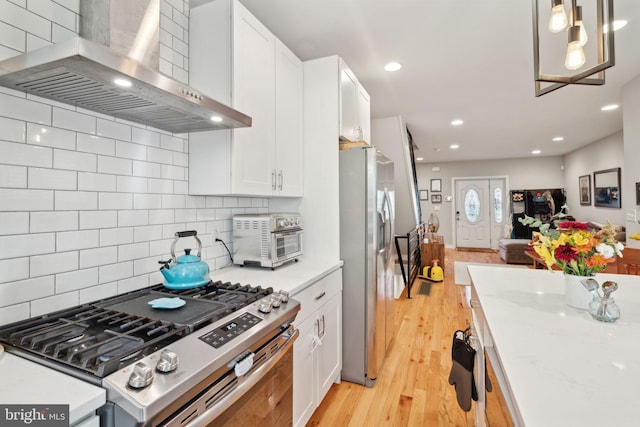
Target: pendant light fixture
[(550, 38)]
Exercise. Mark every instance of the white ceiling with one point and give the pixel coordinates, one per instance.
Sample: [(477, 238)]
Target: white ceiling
[(468, 59)]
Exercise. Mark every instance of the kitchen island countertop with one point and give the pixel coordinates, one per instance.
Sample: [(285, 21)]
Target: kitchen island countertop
[(563, 368), (292, 277)]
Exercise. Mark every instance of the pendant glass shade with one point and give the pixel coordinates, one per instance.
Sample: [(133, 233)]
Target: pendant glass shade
[(558, 19), (575, 55), (433, 223)]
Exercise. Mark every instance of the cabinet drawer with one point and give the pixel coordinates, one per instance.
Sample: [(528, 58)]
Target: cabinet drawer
[(314, 296)]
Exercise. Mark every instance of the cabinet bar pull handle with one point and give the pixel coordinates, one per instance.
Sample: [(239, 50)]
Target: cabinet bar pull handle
[(321, 295), (281, 180), (273, 180)]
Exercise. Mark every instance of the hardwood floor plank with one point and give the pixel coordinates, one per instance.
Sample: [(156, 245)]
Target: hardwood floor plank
[(413, 387)]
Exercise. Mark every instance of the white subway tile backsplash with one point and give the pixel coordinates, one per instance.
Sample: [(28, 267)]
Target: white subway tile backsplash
[(96, 144), (50, 137), (214, 201), (116, 236), (25, 155), (114, 165), (13, 269), (96, 182), (34, 42), (6, 53), (230, 202), (147, 233), (180, 46), (115, 201), (72, 160), (181, 73), (129, 150), (196, 202), (61, 34), (26, 244), (98, 256), (128, 218), (168, 25), (170, 142), (133, 251), (114, 130), (52, 179), (22, 109), (146, 169), (158, 155), (75, 121), (161, 248), (42, 222), (147, 201), (109, 273), (74, 280), (74, 240), (165, 67), (172, 172), (14, 313), (26, 200), (131, 184), (13, 130), (54, 12), (186, 215), (181, 159), (26, 290), (72, 5), (53, 303), (98, 219), (42, 265), (167, 53), (76, 200), (163, 186), (14, 223), (145, 137), (12, 37), (28, 21), (133, 284), (95, 293), (145, 265), (205, 215), (174, 201), (13, 176)]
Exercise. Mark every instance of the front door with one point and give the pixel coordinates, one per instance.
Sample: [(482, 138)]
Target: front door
[(479, 212)]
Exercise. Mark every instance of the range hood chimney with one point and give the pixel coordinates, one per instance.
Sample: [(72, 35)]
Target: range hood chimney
[(118, 45)]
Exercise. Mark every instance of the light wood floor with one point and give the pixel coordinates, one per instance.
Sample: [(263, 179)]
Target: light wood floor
[(412, 388)]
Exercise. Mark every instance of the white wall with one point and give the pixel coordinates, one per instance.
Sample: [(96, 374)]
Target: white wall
[(631, 168), (537, 172), (604, 154), (89, 204)]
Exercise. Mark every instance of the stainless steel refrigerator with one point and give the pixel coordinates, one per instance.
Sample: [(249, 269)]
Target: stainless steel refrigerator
[(366, 247)]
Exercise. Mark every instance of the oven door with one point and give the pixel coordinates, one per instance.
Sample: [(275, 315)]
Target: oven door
[(286, 245), (263, 396)]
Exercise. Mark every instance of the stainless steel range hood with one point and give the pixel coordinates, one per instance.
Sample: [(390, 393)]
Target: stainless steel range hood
[(82, 73)]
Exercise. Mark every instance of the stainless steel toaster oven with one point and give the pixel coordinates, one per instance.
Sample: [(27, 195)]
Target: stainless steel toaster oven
[(267, 240)]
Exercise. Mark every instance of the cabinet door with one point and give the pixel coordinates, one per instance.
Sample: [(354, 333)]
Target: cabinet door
[(304, 401), (348, 104), (364, 114), (329, 353), (289, 121), (254, 94)]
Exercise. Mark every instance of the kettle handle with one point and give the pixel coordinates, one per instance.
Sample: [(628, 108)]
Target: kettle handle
[(180, 234)]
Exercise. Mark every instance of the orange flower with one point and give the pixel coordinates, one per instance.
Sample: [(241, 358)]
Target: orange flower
[(596, 260)]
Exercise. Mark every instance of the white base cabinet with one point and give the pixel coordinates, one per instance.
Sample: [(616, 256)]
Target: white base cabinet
[(317, 353)]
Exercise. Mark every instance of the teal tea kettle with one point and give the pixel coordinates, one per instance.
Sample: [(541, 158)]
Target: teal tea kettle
[(187, 271)]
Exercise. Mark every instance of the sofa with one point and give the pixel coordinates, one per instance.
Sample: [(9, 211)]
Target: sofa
[(512, 251)]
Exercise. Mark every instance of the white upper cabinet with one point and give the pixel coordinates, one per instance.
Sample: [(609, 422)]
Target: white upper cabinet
[(355, 107), (236, 59)]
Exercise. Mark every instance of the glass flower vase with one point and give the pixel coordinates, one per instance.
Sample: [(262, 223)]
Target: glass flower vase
[(575, 294)]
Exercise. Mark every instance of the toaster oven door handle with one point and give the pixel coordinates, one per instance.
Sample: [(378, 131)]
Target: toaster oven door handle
[(288, 231)]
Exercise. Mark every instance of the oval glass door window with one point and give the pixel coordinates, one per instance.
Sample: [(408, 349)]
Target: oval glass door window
[(472, 205)]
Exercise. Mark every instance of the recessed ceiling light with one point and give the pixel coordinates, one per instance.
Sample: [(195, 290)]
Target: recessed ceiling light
[(609, 107), (419, 159), (617, 24), (122, 82), (216, 119), (536, 152), (558, 138), (457, 122), (454, 146), (393, 66)]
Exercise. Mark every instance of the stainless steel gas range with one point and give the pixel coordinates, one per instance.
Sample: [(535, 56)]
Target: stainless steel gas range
[(223, 355)]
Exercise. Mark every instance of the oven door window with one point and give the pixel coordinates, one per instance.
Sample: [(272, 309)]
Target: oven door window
[(288, 243)]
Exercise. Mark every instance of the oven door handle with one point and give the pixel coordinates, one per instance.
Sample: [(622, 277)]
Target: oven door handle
[(249, 381)]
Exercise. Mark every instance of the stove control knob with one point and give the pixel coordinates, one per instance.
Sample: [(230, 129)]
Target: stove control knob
[(284, 296), (168, 361), (275, 300), (141, 376), (265, 307)]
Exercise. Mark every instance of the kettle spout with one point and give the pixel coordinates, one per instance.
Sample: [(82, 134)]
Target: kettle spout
[(166, 271)]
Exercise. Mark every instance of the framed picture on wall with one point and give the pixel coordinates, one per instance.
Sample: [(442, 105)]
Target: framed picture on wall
[(424, 195), (637, 193), (584, 185), (436, 198), (436, 185)]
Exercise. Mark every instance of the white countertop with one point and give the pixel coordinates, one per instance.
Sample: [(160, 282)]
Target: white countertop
[(26, 382), (563, 367), (292, 277)]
